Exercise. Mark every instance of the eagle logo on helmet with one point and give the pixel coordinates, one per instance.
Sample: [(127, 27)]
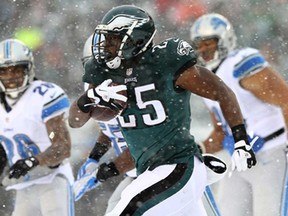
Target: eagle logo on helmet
[(123, 21)]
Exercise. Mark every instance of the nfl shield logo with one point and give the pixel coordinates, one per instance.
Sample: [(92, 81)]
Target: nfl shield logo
[(129, 71)]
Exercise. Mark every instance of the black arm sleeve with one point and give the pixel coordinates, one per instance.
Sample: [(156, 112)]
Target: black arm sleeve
[(239, 133), (3, 159), (98, 151)]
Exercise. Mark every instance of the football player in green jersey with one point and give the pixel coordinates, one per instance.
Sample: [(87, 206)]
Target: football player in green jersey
[(156, 122)]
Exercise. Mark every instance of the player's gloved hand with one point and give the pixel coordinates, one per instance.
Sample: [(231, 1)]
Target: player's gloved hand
[(106, 171), (88, 167), (107, 92), (243, 156), (105, 95), (84, 184), (21, 167)]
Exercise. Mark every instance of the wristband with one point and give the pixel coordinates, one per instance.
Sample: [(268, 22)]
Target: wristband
[(106, 171), (239, 133), (82, 101), (98, 151)]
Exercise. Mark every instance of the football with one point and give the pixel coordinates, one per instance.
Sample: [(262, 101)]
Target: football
[(100, 113)]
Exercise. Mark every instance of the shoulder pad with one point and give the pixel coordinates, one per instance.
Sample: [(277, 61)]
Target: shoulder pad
[(252, 60), (174, 47), (93, 71)]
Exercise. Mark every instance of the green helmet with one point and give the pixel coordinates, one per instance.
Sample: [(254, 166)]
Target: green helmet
[(133, 24)]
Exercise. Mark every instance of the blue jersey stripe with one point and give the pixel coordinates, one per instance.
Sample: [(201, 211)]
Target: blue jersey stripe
[(54, 100), (102, 126), (7, 49), (70, 200), (60, 104), (284, 207), (211, 200), (249, 64)]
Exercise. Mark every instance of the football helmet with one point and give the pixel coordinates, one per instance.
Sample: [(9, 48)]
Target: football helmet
[(132, 25), (14, 53), (214, 26), (87, 50)]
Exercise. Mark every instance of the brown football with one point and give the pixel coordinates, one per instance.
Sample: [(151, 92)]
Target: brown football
[(100, 113)]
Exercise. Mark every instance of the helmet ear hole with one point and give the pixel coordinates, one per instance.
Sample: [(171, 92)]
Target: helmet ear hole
[(139, 45), (139, 42)]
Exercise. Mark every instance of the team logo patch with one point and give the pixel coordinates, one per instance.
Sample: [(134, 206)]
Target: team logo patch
[(184, 48), (130, 79), (129, 71)]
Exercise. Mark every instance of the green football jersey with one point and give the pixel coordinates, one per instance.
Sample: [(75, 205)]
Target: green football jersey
[(156, 122)]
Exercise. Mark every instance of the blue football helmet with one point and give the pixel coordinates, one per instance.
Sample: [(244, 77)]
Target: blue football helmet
[(214, 26), (14, 53)]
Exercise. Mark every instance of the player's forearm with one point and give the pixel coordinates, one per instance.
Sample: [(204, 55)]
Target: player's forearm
[(230, 107), (103, 138), (61, 144), (54, 155), (214, 142), (124, 162), (77, 118)]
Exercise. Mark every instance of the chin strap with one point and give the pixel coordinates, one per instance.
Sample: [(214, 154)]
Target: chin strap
[(4, 102), (214, 63), (114, 63)]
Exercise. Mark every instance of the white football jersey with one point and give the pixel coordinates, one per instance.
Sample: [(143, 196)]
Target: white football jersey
[(261, 118), (113, 131), (23, 131)]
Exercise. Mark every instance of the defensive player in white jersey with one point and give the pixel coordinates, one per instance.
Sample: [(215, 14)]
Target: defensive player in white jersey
[(34, 136), (262, 96), (110, 136)]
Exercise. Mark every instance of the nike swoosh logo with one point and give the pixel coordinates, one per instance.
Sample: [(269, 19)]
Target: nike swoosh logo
[(52, 96)]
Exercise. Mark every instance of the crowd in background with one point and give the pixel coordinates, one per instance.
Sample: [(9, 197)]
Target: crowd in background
[(63, 26), (57, 30)]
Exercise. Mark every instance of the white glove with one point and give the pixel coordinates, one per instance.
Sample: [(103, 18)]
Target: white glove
[(107, 92), (86, 178), (243, 156), (85, 184), (88, 167)]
